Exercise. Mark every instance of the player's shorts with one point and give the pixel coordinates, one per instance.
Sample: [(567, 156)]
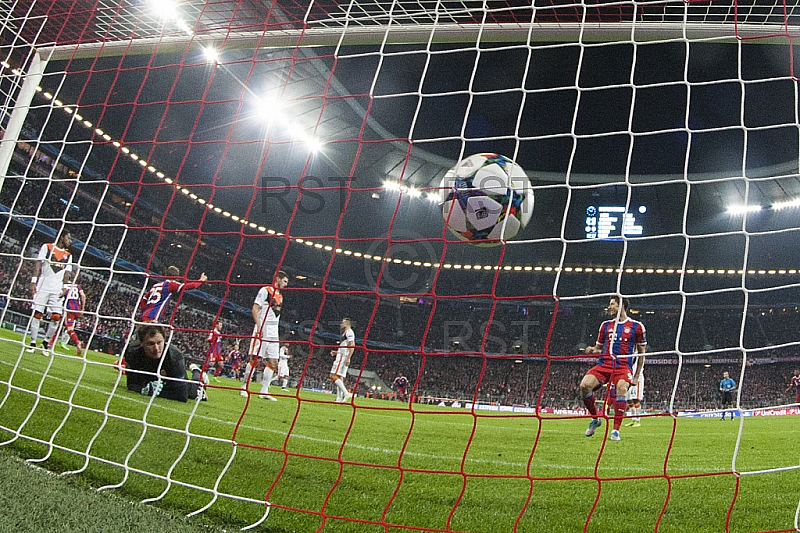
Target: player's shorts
[(49, 301), (265, 348), (339, 367), (215, 357), (611, 375), (727, 397), (283, 368), (636, 392), (70, 318)]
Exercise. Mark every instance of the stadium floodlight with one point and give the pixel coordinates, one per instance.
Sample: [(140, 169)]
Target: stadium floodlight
[(211, 54), (165, 9), (778, 206), (270, 108), (742, 209), (314, 145)]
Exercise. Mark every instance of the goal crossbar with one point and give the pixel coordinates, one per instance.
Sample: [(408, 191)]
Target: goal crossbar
[(438, 34)]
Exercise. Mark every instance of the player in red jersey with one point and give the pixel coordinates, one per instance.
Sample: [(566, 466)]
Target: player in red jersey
[(235, 360), (215, 359), (155, 300), (400, 384), (618, 341), (795, 382), (74, 303)]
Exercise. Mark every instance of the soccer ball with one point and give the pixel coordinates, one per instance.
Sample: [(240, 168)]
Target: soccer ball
[(486, 199)]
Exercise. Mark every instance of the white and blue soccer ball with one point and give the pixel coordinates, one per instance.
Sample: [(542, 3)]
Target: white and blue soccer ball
[(486, 199)]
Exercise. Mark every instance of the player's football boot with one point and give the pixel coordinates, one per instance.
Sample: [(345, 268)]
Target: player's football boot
[(614, 435), (593, 425), (633, 424)]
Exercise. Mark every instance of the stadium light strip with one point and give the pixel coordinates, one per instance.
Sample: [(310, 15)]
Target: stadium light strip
[(777, 206), (412, 192)]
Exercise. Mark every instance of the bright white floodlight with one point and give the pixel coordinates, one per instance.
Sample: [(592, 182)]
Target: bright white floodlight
[(742, 209), (314, 145), (165, 9), (270, 108), (777, 206), (211, 55)]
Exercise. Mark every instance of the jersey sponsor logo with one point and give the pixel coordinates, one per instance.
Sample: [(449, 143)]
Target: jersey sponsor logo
[(58, 258)]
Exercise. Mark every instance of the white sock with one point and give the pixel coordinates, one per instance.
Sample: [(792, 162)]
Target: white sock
[(247, 371), (34, 330), (50, 336), (268, 373), (342, 390), (284, 382)]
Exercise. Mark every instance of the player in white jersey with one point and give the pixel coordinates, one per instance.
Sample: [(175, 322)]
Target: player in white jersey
[(342, 361), (283, 366), (50, 273), (635, 395), (264, 345)]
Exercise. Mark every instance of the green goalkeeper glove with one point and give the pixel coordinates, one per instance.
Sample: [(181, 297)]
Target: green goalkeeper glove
[(153, 388)]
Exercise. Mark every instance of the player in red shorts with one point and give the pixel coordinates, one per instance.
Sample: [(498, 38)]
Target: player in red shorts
[(618, 341), (795, 382), (74, 302), (215, 358), (235, 360), (400, 384)]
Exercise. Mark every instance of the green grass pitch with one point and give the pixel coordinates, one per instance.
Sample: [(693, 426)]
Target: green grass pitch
[(380, 467)]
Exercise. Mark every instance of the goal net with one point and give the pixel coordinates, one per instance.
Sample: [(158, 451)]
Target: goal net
[(235, 140)]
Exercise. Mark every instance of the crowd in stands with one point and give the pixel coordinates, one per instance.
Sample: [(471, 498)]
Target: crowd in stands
[(507, 352)]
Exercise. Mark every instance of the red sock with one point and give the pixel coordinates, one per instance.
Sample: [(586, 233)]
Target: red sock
[(74, 337), (619, 411), (588, 401)]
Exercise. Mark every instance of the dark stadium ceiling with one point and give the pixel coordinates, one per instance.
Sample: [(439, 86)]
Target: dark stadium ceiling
[(220, 116)]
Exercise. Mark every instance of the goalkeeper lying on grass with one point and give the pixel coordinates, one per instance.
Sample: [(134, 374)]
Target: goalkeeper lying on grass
[(147, 358)]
